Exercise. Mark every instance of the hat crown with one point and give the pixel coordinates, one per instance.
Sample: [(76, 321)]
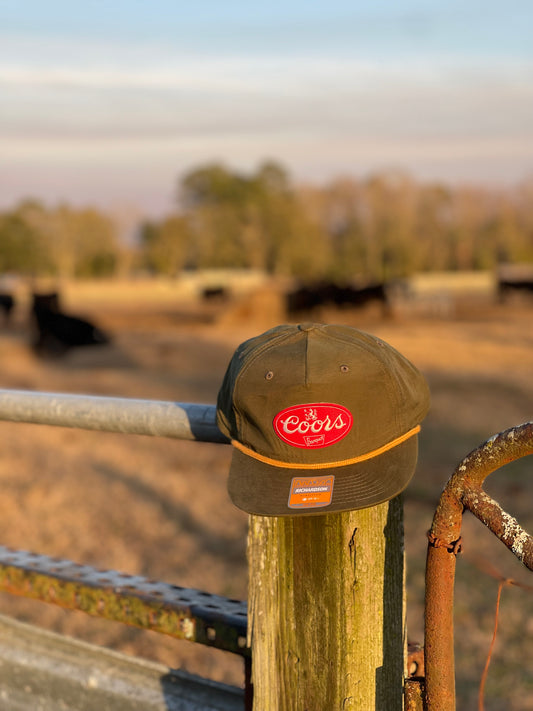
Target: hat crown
[(319, 400), (318, 364)]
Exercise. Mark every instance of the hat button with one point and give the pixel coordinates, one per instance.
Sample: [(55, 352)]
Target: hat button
[(308, 326)]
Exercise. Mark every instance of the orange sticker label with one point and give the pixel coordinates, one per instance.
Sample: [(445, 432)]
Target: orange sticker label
[(311, 492)]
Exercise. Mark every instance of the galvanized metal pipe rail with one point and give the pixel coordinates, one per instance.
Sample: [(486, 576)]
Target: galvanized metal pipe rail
[(158, 418), (464, 491)]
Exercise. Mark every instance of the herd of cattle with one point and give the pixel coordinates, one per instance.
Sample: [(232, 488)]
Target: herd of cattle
[(53, 332), (309, 297)]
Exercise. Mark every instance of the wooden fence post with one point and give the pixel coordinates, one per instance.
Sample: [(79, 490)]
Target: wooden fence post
[(327, 610)]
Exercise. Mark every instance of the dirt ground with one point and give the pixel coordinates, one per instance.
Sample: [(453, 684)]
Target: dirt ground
[(159, 507)]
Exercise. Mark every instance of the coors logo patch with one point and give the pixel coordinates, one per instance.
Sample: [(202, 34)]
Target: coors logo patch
[(314, 425)]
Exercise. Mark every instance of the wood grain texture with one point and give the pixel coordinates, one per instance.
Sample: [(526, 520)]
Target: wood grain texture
[(327, 610)]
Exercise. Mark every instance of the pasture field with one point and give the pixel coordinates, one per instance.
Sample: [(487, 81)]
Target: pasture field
[(159, 507)]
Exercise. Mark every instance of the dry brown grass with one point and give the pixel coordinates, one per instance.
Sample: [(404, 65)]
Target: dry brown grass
[(160, 508)]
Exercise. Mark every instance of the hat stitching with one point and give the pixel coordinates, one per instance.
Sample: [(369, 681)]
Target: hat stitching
[(279, 338), (368, 347), (306, 379)]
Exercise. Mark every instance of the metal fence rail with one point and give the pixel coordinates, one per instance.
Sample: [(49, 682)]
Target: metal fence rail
[(183, 613), (158, 418), (180, 612), (219, 622)]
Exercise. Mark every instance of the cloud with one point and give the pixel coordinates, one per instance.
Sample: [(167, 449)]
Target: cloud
[(122, 119), (174, 70), (277, 96)]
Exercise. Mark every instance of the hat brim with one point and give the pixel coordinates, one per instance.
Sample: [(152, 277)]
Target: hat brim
[(264, 490)]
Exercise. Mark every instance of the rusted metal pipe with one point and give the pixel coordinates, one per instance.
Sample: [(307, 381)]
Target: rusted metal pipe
[(464, 490), (158, 418), (180, 612), (414, 695)]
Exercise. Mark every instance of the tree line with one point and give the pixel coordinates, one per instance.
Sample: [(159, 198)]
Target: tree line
[(63, 241), (373, 229)]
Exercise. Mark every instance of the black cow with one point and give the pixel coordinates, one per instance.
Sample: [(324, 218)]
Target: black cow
[(506, 287), (57, 332), (7, 304), (306, 298), (215, 293), (514, 279), (48, 301)]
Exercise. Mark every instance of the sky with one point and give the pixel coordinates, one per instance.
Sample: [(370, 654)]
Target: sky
[(110, 102)]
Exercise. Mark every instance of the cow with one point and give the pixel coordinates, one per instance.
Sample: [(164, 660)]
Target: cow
[(57, 332), (506, 287), (48, 301), (7, 304), (308, 297), (215, 293), (514, 279)]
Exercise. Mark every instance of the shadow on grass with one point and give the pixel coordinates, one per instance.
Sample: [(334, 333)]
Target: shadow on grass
[(231, 548)]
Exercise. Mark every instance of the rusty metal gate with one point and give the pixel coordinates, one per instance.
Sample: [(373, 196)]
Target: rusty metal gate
[(464, 492)]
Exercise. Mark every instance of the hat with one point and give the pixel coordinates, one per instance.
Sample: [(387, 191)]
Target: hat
[(321, 418)]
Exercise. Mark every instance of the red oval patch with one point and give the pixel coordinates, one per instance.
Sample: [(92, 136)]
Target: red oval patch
[(317, 424)]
